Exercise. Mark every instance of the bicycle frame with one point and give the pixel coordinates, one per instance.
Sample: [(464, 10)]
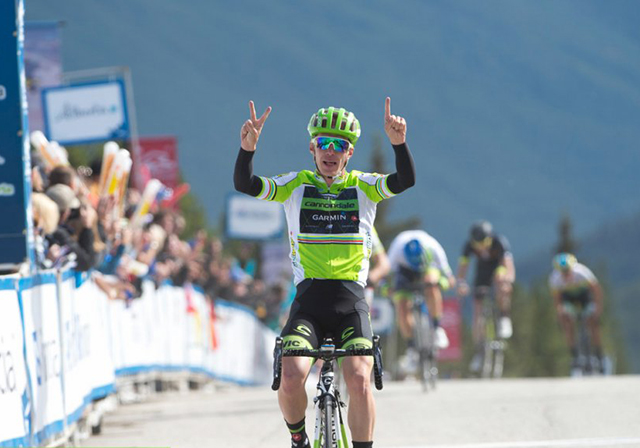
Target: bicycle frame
[(491, 345), (327, 400), (424, 338)]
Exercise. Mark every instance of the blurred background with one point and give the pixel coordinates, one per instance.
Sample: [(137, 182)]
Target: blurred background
[(521, 113)]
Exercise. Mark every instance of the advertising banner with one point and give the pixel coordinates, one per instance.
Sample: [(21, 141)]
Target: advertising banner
[(451, 321), (84, 113), (42, 65), (14, 392), (159, 155), (44, 355), (16, 235), (251, 219)]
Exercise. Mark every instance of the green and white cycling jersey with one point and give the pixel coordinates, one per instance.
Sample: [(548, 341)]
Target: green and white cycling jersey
[(330, 228)]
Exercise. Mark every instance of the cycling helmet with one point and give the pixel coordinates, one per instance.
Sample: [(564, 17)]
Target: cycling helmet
[(564, 261), (481, 230), (415, 255), (336, 121)]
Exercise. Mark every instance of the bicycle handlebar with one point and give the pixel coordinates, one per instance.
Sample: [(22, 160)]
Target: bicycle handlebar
[(328, 353)]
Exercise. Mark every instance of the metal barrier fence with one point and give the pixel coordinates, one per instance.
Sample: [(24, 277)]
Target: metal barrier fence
[(65, 348)]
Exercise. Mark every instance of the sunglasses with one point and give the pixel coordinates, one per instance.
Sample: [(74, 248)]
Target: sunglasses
[(486, 242), (339, 144)]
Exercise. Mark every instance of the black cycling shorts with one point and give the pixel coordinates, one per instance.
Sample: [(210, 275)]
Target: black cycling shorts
[(582, 299), (328, 307)]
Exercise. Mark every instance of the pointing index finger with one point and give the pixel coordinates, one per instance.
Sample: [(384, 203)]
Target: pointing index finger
[(387, 108)]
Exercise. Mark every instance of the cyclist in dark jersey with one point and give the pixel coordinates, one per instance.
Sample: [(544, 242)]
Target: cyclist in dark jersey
[(494, 267), (330, 214)]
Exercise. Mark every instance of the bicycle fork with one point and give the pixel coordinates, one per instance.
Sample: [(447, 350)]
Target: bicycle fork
[(327, 402)]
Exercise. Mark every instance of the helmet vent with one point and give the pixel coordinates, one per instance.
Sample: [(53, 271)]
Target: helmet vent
[(334, 120)]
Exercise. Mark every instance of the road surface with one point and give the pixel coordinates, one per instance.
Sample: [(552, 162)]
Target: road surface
[(510, 413)]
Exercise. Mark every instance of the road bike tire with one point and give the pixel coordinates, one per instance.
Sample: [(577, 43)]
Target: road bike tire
[(330, 428)]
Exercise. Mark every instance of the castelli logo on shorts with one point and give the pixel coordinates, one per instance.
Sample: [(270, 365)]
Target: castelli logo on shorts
[(296, 437), (303, 329), (347, 333)]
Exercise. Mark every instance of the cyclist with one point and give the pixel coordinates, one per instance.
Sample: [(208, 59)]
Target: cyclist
[(330, 214), (494, 267), (379, 267), (419, 263), (572, 286)]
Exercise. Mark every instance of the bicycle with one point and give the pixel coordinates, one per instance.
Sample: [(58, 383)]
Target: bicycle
[(327, 401), (423, 333), (490, 346), (586, 361)]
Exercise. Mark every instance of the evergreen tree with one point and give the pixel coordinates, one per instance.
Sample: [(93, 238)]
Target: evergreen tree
[(566, 242)]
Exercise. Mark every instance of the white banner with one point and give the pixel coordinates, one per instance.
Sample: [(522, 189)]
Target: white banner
[(252, 219), (86, 112), (14, 394), (75, 341), (44, 357)]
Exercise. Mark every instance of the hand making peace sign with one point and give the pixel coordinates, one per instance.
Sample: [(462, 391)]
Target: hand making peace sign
[(394, 126), (251, 129)]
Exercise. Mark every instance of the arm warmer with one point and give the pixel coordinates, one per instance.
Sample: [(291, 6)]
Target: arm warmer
[(243, 178), (405, 175)]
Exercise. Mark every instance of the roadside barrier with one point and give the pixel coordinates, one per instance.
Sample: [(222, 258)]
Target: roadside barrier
[(65, 346)]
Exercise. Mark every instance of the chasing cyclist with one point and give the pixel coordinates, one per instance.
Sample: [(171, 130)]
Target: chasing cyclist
[(419, 263), (379, 267), (494, 267), (574, 287), (330, 214)]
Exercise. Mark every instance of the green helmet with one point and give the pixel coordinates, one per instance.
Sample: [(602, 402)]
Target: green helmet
[(332, 120)]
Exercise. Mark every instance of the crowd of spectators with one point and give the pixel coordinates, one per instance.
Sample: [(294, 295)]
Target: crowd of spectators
[(75, 226)]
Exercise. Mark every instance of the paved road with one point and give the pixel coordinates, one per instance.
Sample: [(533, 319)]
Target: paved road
[(527, 413)]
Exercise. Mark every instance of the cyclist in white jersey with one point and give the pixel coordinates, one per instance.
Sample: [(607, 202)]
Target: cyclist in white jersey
[(419, 263), (330, 214), (573, 286), (379, 267)]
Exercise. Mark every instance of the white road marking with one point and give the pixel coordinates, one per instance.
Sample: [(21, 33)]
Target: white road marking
[(567, 443)]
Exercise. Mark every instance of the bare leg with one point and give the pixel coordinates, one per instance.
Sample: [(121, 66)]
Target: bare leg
[(405, 318), (362, 409), (292, 395), (434, 301)]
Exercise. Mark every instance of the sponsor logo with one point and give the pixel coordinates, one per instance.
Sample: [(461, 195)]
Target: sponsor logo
[(3, 92), (303, 329), (340, 217), (7, 189), (329, 205), (2, 160), (359, 346), (347, 333), (8, 381), (71, 111), (292, 343)]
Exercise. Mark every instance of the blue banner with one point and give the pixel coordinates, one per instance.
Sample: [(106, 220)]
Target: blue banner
[(16, 236)]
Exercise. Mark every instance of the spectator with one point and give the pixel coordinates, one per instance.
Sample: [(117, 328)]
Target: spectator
[(74, 233)]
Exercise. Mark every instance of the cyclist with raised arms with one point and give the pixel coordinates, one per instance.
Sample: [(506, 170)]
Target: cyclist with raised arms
[(419, 263), (494, 267), (573, 286), (330, 214)]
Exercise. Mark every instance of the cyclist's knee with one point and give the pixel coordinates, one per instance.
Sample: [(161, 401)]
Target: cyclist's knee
[(357, 373), (294, 373)]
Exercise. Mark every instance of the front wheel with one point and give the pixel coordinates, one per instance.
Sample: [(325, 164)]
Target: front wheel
[(330, 426)]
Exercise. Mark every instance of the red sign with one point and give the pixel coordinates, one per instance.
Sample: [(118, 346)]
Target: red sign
[(451, 321), (159, 159)]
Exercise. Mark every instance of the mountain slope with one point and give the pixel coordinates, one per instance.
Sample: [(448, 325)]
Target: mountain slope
[(516, 110)]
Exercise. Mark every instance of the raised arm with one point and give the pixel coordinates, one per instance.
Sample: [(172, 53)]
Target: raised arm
[(243, 178), (396, 129)]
